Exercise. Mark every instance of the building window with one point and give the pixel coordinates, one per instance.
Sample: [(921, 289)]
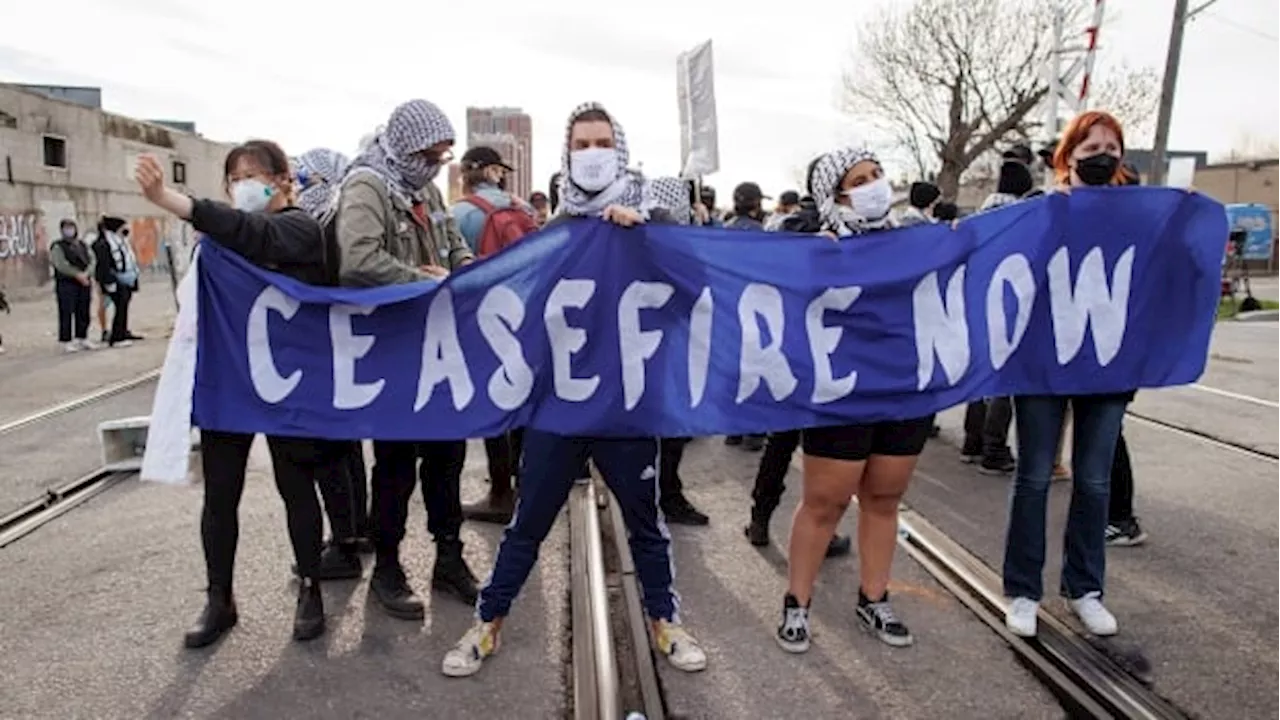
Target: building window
[(55, 152), (179, 173)]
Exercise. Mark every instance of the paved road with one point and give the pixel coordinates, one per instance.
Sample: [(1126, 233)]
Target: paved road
[(732, 597), (95, 604), (52, 452), (1199, 599)]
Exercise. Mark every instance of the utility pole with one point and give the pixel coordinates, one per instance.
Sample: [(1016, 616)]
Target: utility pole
[(1180, 15)]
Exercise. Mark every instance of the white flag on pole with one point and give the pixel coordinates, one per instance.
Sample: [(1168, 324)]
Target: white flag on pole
[(695, 87)]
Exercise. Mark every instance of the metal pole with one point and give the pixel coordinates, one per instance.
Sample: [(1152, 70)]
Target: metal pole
[(1167, 89)]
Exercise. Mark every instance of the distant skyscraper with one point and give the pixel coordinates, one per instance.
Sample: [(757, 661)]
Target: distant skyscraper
[(454, 191), (510, 132)]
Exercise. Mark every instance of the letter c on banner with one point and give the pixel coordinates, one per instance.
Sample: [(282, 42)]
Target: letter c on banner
[(270, 385)]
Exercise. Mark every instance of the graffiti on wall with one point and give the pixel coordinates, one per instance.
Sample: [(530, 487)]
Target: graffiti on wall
[(18, 235), (24, 249), (144, 235)]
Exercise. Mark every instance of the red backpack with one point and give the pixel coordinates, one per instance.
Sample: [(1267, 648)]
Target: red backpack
[(502, 226)]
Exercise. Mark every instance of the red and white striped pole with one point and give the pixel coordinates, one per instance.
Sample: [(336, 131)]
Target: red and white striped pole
[(1092, 32)]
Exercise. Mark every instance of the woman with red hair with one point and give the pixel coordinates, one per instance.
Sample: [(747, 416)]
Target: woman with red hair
[(1090, 154)]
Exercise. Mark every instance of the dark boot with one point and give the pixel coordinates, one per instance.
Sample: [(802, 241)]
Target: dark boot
[(753, 443), (451, 574), (497, 508), (339, 561), (758, 531), (679, 511), (219, 616), (308, 619), (839, 545), (391, 588)]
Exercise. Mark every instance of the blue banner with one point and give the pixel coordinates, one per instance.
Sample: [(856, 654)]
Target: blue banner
[(591, 329)]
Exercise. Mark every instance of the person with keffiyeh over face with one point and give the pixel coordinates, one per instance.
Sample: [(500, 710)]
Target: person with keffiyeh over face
[(595, 182), (392, 227), (318, 174), (779, 447), (873, 461), (673, 196)]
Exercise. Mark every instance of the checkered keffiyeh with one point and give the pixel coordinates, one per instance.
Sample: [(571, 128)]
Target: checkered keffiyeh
[(414, 126), (828, 172), (670, 194), (627, 190), (323, 169)]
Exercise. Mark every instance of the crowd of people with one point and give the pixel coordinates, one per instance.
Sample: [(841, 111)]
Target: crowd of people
[(378, 219)]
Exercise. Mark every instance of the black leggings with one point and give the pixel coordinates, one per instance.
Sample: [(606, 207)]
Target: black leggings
[(774, 464), (344, 487), (295, 462), (1121, 484)]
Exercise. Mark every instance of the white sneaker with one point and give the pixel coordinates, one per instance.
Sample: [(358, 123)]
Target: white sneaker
[(1021, 618), (70, 347), (678, 645), (122, 344), (87, 344), (1096, 618), (469, 654)]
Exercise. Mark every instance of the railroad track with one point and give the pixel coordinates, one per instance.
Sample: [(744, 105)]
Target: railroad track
[(614, 675), (1204, 437), (1086, 679), (59, 500)]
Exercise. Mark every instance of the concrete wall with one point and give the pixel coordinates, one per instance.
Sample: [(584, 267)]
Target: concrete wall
[(101, 150)]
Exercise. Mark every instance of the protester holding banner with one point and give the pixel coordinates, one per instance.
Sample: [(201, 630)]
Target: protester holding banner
[(266, 229), (873, 461), (779, 447), (595, 182), (488, 217), (345, 490), (392, 228), (748, 214), (1089, 154), (672, 195)]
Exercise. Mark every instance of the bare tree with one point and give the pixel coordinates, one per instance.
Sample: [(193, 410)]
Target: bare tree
[(949, 79), (1249, 146)]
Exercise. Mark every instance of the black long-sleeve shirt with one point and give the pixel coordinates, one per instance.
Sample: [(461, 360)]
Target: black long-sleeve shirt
[(289, 241)]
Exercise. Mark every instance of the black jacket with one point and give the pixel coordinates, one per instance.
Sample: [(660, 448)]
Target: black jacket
[(289, 241)]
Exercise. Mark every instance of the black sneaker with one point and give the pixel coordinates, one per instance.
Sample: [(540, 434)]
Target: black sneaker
[(106, 336), (679, 511), (753, 443), (308, 620), (879, 619), (391, 588), (758, 531), (998, 465), (339, 561), (1126, 534), (793, 633), (839, 546), (732, 440), (971, 452)]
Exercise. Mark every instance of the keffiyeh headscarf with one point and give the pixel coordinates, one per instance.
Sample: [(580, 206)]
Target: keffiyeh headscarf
[(322, 170), (670, 194), (827, 174), (627, 189), (413, 127)]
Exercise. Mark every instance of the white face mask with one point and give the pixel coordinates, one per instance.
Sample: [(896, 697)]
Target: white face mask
[(872, 200), (251, 195), (593, 169)]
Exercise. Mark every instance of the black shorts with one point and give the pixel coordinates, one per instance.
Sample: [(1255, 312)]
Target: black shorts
[(901, 438)]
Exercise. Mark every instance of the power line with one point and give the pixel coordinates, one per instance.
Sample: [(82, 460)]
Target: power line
[(1242, 27)]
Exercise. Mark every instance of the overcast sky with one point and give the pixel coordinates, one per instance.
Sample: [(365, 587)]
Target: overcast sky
[(307, 76)]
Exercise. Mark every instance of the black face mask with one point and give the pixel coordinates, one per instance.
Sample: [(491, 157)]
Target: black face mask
[(1097, 169)]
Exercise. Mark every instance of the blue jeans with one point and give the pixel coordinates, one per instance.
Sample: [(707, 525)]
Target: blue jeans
[(1097, 420), (548, 469)]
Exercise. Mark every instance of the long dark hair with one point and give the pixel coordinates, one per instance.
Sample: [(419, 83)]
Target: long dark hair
[(266, 154)]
